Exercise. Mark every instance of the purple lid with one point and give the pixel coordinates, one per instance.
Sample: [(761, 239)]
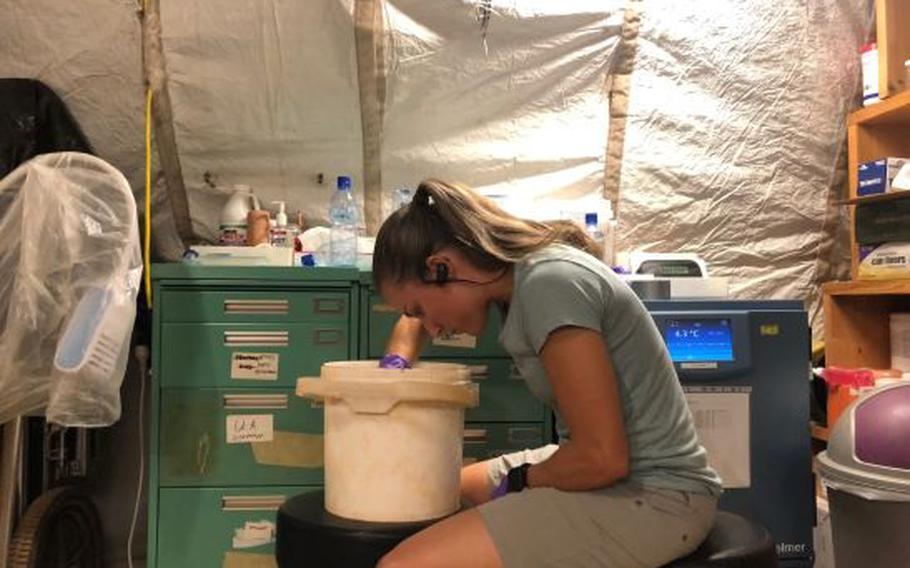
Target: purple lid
[(882, 429)]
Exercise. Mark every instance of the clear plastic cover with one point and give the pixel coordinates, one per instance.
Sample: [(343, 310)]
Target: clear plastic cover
[(69, 275)]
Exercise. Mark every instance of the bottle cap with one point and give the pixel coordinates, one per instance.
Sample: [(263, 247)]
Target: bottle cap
[(590, 219), (344, 183)]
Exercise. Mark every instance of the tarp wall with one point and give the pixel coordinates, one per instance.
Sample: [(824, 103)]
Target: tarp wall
[(734, 142)]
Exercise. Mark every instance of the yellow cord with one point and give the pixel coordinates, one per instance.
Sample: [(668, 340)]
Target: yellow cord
[(147, 242)]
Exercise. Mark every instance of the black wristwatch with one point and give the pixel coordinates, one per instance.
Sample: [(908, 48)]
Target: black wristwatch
[(518, 478)]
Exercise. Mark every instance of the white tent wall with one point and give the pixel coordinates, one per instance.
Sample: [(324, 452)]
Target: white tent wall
[(515, 107), (265, 94), (89, 53), (735, 146)]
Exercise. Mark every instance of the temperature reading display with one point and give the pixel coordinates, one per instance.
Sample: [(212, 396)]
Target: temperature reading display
[(699, 339)]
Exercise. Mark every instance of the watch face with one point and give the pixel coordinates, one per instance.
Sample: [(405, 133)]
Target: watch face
[(518, 478)]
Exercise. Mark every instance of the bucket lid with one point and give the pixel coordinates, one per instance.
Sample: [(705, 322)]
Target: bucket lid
[(370, 371), (368, 389), (868, 449)]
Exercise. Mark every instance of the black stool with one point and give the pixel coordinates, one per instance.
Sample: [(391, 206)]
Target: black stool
[(308, 535), (734, 542)]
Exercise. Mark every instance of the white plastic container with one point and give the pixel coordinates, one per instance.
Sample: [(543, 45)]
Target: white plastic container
[(393, 438), (233, 216), (869, 60), (900, 341)]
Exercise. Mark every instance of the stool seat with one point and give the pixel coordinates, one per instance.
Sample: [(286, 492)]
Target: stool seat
[(308, 535), (734, 542)]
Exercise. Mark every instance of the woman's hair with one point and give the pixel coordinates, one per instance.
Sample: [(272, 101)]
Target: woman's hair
[(443, 214)]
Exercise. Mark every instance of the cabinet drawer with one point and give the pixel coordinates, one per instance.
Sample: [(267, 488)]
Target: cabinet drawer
[(483, 440), (253, 306), (382, 318), (198, 527), (504, 397), (247, 355), (206, 438)]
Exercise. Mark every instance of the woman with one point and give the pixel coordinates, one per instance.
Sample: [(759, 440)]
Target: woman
[(628, 485)]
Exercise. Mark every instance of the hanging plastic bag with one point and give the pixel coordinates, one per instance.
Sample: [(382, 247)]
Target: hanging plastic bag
[(68, 284)]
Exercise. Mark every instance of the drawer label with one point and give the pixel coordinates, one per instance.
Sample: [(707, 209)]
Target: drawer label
[(254, 366), (254, 533), (246, 428), (459, 340)]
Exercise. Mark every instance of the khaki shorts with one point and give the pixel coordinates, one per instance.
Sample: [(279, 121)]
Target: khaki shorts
[(624, 525)]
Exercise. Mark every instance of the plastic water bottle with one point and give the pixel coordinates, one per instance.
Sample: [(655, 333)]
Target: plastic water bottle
[(343, 235), (592, 227)]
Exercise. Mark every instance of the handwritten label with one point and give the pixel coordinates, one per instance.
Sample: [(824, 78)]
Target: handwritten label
[(246, 428), (254, 366), (254, 534)]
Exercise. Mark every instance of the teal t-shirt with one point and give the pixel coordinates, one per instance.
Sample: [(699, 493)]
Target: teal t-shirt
[(562, 286)]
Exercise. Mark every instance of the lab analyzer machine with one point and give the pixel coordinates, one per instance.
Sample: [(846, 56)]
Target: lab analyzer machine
[(744, 367)]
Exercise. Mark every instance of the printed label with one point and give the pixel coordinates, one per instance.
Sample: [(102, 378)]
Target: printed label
[(460, 340), (246, 428), (254, 366), (722, 422)]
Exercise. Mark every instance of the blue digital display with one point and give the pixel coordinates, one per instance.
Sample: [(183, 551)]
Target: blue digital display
[(699, 339)]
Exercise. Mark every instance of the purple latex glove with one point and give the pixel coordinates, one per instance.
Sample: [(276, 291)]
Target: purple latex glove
[(500, 490), (394, 361)]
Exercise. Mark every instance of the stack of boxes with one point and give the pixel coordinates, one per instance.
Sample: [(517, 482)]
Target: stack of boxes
[(883, 226)]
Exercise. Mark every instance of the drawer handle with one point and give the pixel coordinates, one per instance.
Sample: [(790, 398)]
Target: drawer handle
[(257, 338), (252, 502), (271, 307), (255, 401), (327, 337), (384, 308), (479, 372), (328, 306), (475, 434)]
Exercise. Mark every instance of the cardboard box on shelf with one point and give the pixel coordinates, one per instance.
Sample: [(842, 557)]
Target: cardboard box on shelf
[(883, 221), (885, 261), (877, 176)]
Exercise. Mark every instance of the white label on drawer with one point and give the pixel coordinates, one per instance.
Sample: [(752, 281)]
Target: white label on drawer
[(246, 428), (254, 366), (254, 534), (462, 340)]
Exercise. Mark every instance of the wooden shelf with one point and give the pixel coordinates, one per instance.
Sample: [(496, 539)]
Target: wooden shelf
[(867, 287), (893, 110), (893, 196), (879, 131), (857, 331)]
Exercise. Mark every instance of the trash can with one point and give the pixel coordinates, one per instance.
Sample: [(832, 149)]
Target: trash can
[(866, 470)]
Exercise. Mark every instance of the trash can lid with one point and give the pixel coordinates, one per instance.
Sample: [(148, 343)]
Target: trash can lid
[(868, 449)]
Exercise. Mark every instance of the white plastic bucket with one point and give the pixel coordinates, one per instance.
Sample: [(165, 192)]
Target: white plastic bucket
[(393, 438)]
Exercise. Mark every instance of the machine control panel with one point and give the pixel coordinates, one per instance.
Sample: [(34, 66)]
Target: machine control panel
[(706, 345)]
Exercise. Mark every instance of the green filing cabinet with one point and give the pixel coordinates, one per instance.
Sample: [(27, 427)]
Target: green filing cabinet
[(508, 417), (229, 439)]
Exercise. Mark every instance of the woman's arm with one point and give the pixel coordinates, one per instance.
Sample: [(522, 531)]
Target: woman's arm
[(580, 370), (407, 338)]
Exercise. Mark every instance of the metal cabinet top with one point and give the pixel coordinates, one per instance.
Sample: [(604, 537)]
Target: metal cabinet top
[(186, 273)]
